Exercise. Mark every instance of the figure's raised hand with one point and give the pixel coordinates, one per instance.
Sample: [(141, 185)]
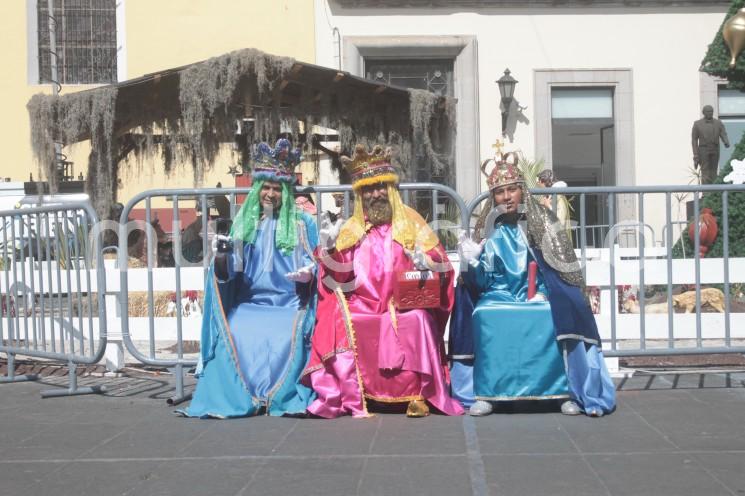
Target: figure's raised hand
[(328, 232), (419, 258), (303, 275), (468, 249)]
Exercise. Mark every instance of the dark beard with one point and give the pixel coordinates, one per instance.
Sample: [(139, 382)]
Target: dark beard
[(379, 212)]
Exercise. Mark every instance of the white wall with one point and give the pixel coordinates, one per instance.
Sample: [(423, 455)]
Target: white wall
[(663, 47)]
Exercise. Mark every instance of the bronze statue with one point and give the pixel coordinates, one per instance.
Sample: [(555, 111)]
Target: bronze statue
[(705, 141)]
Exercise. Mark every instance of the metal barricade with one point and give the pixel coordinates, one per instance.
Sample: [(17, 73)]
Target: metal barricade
[(628, 257), (187, 275), (437, 199), (49, 280), (633, 263)]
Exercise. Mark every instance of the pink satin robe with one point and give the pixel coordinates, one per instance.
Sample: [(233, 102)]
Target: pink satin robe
[(362, 351)]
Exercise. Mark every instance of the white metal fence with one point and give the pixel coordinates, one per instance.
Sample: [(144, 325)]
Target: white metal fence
[(50, 280), (63, 301)]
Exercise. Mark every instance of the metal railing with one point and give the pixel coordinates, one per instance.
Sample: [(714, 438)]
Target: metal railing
[(49, 283), (630, 334), (53, 282), (596, 234), (189, 275)]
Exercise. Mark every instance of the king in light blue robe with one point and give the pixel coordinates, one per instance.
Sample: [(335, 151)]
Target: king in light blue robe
[(516, 355), (510, 349), (256, 330)]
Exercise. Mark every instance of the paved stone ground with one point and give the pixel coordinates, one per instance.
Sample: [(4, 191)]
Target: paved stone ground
[(678, 434)]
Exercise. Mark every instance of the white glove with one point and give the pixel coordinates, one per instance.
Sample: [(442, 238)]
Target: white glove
[(419, 258), (538, 297), (221, 239), (304, 274), (328, 232), (468, 249)]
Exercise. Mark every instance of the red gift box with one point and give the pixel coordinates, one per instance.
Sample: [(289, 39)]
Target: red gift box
[(417, 289)]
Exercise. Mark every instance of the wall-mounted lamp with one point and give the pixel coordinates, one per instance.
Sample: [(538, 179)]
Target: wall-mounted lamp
[(507, 89)]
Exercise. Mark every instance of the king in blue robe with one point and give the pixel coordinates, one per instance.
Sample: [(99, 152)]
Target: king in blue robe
[(513, 339), (512, 347), (260, 302)]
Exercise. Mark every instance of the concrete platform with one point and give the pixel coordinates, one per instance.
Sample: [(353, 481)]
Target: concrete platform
[(677, 435)]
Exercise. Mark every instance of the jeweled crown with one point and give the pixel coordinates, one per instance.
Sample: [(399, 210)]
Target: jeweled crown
[(276, 164), (504, 172), (364, 165)]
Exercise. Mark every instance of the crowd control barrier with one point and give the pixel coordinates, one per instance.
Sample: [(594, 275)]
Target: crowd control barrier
[(629, 267), (51, 272)]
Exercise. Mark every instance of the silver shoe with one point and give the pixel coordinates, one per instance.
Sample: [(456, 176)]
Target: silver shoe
[(480, 408), (569, 407)]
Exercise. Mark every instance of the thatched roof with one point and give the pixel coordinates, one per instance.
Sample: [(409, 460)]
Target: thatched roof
[(185, 113)]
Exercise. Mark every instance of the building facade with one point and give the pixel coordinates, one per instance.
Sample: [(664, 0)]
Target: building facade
[(607, 90), (108, 41)]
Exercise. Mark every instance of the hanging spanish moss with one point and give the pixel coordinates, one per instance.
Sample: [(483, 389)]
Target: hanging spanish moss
[(188, 115), (430, 127), (64, 120), (210, 101)]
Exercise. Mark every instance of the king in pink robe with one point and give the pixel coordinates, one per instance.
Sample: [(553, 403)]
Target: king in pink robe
[(363, 347)]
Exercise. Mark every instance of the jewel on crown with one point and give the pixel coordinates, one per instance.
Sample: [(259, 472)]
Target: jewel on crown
[(505, 170), (282, 158), (363, 164)]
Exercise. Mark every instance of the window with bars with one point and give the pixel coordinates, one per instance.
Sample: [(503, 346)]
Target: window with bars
[(435, 75), (424, 74), (85, 41)]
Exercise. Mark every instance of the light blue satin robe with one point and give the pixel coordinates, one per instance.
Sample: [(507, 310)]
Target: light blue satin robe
[(516, 355), (256, 331)]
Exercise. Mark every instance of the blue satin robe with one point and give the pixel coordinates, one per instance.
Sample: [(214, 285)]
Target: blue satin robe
[(524, 350), (516, 355), (256, 331)]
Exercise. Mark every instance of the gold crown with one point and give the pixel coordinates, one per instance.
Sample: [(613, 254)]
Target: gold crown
[(368, 167), (505, 170)]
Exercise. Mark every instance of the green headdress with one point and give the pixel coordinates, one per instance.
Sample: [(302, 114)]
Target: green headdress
[(276, 165)]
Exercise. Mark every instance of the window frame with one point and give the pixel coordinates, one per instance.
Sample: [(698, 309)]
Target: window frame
[(401, 63), (422, 172), (464, 52), (725, 117), (32, 42), (621, 80)]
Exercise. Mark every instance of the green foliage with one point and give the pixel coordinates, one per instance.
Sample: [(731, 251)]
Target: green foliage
[(530, 170), (449, 226), (736, 215), (716, 61)]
